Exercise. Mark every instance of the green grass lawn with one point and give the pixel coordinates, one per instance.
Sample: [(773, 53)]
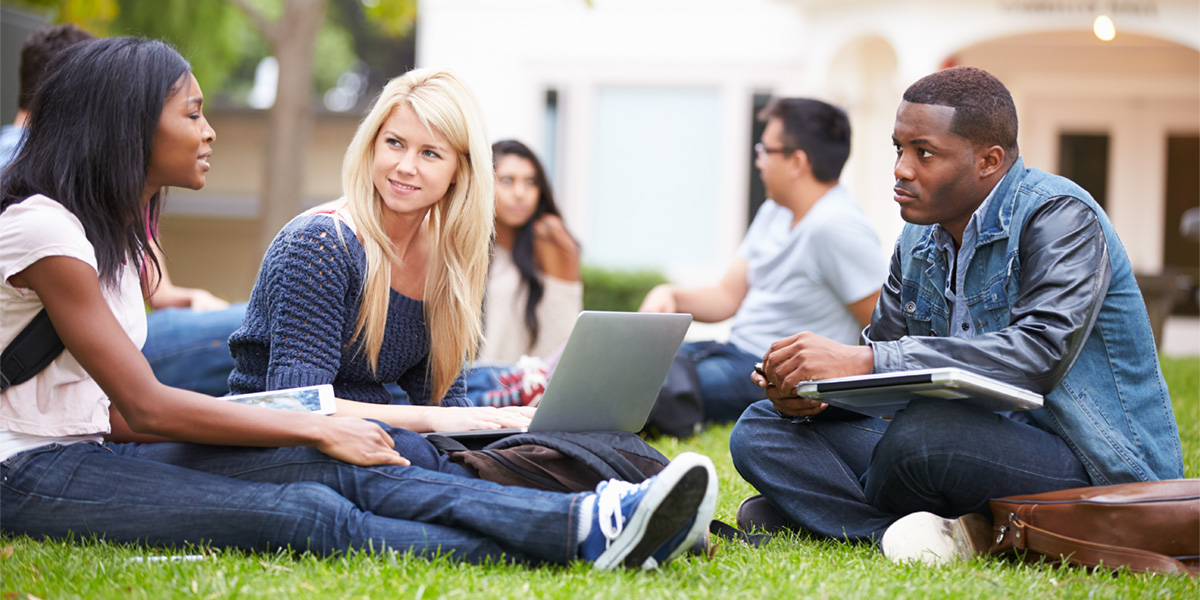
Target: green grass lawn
[(788, 567)]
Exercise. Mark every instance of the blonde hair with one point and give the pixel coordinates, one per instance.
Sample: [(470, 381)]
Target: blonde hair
[(460, 224)]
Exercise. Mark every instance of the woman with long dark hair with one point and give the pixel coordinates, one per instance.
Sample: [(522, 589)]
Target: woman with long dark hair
[(73, 236), (534, 291)]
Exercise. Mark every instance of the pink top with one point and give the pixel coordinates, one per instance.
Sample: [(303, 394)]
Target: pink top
[(63, 402)]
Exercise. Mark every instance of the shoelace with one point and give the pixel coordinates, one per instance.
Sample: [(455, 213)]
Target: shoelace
[(608, 506)]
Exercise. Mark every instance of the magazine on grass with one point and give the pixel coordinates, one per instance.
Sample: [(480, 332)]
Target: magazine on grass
[(314, 398)]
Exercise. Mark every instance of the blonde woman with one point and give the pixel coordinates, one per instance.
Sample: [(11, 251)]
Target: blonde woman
[(385, 284)]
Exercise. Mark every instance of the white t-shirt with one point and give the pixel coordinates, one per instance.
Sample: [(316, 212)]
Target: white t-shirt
[(803, 278), (62, 403)]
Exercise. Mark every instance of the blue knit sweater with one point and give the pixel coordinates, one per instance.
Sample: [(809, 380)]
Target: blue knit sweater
[(300, 322)]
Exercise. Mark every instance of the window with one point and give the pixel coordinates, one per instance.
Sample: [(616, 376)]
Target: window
[(1083, 158)]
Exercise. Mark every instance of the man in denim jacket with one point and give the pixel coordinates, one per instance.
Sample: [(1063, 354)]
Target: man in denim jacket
[(1003, 270)]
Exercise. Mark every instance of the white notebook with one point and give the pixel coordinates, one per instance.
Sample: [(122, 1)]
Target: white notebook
[(882, 394)]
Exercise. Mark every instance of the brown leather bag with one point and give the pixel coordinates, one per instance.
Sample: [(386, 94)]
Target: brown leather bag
[(1151, 526)]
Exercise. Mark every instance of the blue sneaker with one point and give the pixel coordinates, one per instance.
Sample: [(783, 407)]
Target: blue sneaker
[(636, 524), (688, 537)]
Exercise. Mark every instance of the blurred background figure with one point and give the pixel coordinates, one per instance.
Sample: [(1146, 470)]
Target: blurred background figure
[(40, 46), (809, 262), (534, 290)]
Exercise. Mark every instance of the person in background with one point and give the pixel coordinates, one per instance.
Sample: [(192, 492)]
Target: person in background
[(73, 242), (188, 328), (534, 291), (534, 288), (1002, 270), (39, 47), (810, 261)]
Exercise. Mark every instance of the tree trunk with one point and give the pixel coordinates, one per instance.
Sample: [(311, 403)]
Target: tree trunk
[(291, 119)]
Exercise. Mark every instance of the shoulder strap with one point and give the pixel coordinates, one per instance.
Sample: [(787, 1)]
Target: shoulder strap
[(1094, 554), (34, 348)]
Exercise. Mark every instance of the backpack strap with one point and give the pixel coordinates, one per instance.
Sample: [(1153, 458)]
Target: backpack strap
[(597, 454), (726, 531), (34, 348), (1093, 554)]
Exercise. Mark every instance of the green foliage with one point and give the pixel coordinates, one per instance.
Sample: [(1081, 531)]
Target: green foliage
[(215, 37), (611, 289), (223, 44), (790, 566), (393, 18)]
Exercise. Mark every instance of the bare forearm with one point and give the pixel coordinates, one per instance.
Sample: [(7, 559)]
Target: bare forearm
[(412, 418), (707, 305), (214, 421), (424, 419)]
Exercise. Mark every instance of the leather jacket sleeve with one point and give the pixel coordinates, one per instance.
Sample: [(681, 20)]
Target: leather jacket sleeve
[(1064, 275)]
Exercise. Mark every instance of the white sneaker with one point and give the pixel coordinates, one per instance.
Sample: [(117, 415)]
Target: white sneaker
[(932, 540)]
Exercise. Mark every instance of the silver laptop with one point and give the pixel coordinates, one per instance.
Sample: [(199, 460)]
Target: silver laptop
[(608, 376), (882, 394)]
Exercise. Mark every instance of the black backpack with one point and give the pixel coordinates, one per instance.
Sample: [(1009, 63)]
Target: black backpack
[(573, 462), (678, 411), (558, 461), (34, 348)]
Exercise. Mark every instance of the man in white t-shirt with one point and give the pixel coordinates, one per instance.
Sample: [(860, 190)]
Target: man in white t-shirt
[(809, 262)]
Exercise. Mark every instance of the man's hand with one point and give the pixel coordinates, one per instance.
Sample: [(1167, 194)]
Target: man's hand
[(804, 357), (661, 299), (204, 301), (807, 356), (788, 403)]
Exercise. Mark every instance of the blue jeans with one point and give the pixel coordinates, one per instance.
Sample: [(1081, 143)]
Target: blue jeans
[(286, 464), (847, 476), (190, 349), (724, 372), (84, 489)]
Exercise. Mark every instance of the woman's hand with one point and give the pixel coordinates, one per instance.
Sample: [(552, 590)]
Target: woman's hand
[(359, 442), (555, 251), (454, 418)]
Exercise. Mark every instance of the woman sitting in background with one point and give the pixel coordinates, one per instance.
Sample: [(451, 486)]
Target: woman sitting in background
[(534, 290)]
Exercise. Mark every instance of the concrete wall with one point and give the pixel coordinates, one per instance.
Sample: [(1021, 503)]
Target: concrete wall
[(210, 235)]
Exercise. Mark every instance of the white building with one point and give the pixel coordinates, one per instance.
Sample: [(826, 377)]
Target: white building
[(644, 108)]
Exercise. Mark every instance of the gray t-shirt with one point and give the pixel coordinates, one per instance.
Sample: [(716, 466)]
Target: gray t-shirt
[(803, 278)]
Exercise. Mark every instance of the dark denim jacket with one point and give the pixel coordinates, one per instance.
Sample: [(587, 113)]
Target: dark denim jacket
[(1053, 298)]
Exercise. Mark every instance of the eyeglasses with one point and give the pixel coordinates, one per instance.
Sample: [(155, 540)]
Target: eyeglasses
[(760, 150)]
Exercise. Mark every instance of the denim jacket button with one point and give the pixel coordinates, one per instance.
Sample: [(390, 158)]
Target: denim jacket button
[(910, 307)]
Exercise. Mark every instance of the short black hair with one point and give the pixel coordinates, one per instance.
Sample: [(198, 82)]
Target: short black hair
[(984, 113), (821, 130), (41, 46)]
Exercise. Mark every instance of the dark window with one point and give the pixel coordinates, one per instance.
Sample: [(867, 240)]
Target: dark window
[(549, 155), (757, 193), (1083, 158), (1181, 254)]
